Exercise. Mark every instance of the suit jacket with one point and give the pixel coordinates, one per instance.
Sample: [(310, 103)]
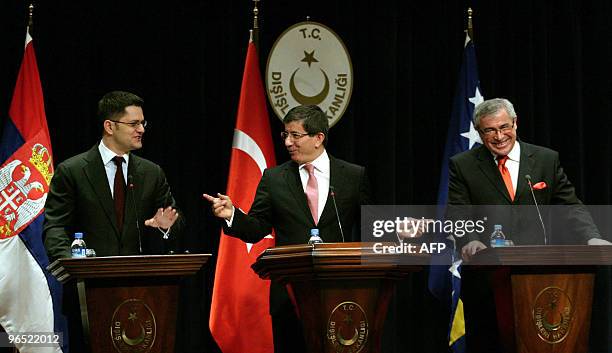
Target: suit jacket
[(475, 181), (280, 203), (80, 200)]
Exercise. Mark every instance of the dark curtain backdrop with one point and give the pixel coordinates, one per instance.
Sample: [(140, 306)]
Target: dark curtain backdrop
[(553, 59)]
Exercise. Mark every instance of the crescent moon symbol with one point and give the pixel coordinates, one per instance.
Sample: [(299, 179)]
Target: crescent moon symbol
[(548, 325), (346, 342), (133, 341), (308, 100)]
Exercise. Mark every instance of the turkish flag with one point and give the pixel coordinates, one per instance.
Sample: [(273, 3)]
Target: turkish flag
[(239, 315)]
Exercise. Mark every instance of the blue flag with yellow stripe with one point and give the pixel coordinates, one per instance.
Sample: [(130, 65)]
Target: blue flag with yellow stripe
[(445, 282)]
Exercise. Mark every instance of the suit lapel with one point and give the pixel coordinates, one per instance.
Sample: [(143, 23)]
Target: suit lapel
[(133, 192), (489, 169), (336, 179), (294, 184), (96, 175)]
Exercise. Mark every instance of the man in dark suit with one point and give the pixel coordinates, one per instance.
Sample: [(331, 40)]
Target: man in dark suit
[(490, 181), (89, 193), (294, 198), (495, 174)]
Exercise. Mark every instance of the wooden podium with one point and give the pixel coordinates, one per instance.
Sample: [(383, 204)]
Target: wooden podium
[(342, 291), (543, 294), (128, 303)]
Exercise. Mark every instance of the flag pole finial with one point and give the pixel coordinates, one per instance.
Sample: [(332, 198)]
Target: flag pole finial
[(255, 15), (254, 33), (470, 28), (30, 15)]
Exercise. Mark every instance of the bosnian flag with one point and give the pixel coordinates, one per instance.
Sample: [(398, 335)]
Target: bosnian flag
[(30, 297), (239, 315), (445, 282)]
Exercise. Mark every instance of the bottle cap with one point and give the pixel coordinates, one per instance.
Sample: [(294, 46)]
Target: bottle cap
[(497, 227), (314, 231), (78, 235)]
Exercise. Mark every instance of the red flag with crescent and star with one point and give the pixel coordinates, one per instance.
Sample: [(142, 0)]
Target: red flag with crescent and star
[(239, 314)]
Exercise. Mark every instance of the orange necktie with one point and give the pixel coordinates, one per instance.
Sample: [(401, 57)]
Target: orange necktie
[(505, 173)]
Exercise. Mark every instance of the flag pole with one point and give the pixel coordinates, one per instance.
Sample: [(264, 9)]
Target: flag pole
[(470, 28)]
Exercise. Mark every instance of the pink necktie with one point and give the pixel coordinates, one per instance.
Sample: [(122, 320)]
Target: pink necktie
[(312, 193), (501, 165)]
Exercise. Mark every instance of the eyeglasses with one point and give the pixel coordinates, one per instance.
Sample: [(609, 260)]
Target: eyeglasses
[(490, 131), (134, 124), (294, 135)]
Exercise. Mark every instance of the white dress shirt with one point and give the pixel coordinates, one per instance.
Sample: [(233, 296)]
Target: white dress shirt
[(110, 166), (322, 173)]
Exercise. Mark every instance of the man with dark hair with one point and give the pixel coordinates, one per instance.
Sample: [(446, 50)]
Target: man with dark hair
[(292, 199), (105, 191)]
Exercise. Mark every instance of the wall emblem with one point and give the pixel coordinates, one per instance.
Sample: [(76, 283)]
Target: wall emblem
[(310, 65)]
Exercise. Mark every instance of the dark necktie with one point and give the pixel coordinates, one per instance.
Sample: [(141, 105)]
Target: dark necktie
[(119, 191), (505, 173)]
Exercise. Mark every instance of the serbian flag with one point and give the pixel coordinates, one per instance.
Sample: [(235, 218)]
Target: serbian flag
[(239, 315), (30, 297)]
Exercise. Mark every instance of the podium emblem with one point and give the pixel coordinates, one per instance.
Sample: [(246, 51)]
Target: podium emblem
[(552, 314), (133, 327), (347, 328)]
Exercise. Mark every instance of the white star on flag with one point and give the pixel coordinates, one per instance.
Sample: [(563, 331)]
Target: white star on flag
[(478, 98), (472, 134), (249, 246), (454, 269)]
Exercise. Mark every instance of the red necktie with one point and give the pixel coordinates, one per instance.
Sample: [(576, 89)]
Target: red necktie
[(505, 173), (312, 193), (119, 191)]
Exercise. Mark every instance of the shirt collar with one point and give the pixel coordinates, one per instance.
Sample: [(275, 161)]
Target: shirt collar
[(321, 163), (107, 155)]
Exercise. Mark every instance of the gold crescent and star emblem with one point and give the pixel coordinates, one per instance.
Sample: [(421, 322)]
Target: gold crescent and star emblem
[(133, 327), (309, 65), (552, 314), (347, 328)]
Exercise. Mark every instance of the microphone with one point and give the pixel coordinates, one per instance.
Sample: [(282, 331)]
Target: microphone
[(131, 188), (332, 193), (528, 177)]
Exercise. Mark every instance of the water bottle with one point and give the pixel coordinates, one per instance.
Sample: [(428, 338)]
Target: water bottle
[(314, 237), (78, 247), (498, 238)]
